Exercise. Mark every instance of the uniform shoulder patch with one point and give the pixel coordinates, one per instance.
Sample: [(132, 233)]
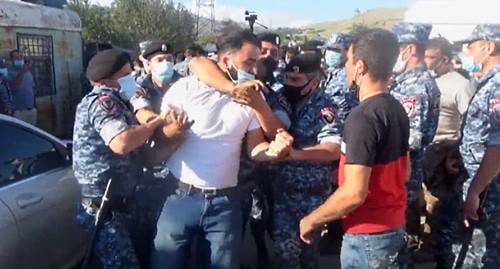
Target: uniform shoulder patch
[(328, 114), (409, 105), (495, 105), (140, 92), (109, 104)]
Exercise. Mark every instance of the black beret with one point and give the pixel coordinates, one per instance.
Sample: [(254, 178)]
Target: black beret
[(269, 37), (106, 63), (155, 47), (304, 63)]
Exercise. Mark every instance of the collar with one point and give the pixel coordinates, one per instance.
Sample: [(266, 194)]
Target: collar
[(495, 70), (421, 67)]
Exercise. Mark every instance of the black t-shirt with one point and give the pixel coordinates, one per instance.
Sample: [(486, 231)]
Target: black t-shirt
[(376, 131)]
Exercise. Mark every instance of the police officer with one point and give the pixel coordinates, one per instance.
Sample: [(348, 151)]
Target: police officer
[(140, 74), (414, 87), (480, 150), (335, 57), (303, 182), (6, 102), (146, 101), (106, 141)]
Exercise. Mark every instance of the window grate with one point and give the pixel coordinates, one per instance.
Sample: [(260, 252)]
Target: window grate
[(38, 49)]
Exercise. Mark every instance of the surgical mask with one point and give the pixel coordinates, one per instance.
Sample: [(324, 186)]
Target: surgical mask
[(468, 63), (127, 87), (295, 94), (19, 63), (241, 76), (163, 70), (4, 72), (333, 59), (400, 65)]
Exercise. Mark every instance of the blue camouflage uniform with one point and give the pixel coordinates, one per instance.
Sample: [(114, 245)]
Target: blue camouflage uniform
[(6, 102), (417, 91), (480, 130), (139, 75), (302, 186), (100, 116)]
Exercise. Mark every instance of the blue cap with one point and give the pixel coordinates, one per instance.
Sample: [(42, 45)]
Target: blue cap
[(338, 41), (412, 32), (490, 32)]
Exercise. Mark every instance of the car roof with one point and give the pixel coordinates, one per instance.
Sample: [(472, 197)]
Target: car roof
[(6, 118)]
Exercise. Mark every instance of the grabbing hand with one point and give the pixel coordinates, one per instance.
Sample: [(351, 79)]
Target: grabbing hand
[(281, 145)]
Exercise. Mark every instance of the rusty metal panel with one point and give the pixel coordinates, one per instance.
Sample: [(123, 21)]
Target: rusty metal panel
[(22, 14)]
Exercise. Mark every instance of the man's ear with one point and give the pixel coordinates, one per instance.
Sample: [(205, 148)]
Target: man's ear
[(361, 67), (491, 48)]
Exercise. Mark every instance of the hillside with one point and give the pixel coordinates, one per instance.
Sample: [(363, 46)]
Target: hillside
[(381, 17)]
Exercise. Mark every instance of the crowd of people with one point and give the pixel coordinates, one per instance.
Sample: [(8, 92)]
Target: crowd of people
[(375, 130)]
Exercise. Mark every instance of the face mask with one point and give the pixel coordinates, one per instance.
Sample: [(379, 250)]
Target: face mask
[(294, 94), (163, 70), (266, 68), (19, 63), (333, 59), (468, 63), (127, 87), (241, 76), (4, 72), (400, 65)]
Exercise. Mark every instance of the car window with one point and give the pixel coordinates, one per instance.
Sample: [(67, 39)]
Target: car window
[(24, 154)]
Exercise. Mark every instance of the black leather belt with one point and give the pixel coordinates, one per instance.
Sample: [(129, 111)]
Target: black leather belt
[(218, 192)]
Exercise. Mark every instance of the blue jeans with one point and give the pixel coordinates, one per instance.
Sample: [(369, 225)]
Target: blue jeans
[(215, 218), (370, 251)]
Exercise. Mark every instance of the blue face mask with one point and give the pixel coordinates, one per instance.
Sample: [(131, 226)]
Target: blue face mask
[(163, 70), (4, 72), (241, 76), (127, 87), (19, 63), (333, 58), (469, 64)]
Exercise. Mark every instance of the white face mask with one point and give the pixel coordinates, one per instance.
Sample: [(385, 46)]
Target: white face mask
[(400, 65), (127, 87)]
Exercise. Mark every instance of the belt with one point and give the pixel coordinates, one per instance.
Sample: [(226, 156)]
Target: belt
[(218, 192)]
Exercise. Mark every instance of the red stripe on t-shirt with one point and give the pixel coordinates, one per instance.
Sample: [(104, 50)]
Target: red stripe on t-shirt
[(385, 205)]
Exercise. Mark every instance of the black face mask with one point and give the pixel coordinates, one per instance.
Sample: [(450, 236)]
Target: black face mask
[(293, 94), (266, 68)]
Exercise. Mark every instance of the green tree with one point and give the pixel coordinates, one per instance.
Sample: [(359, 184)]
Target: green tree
[(139, 20), (96, 23)]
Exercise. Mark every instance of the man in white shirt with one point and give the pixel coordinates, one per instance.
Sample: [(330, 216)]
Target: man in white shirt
[(456, 91), (206, 164)]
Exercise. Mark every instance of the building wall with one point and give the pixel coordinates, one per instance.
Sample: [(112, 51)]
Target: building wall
[(56, 111)]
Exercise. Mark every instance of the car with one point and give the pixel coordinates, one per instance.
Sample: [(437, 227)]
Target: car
[(39, 197)]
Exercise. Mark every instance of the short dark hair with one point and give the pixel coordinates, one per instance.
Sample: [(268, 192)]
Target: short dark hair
[(11, 53), (442, 44), (378, 49), (234, 40)]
